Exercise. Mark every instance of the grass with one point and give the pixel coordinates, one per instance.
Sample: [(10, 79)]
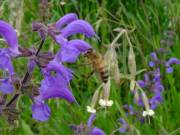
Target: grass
[(150, 19)]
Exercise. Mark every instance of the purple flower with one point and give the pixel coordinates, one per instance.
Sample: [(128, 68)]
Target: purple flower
[(157, 87), (89, 129), (172, 61), (9, 34), (40, 110), (141, 83), (58, 67), (129, 109), (66, 19), (55, 86), (154, 56), (78, 26), (155, 100), (6, 63), (96, 131), (124, 126), (6, 86), (169, 70), (169, 63), (151, 64), (71, 51)]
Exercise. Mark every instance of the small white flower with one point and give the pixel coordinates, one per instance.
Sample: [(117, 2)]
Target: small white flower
[(90, 109), (148, 112), (105, 103)]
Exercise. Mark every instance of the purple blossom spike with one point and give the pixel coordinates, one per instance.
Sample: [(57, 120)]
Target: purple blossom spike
[(40, 111), (66, 19), (10, 36), (78, 26)]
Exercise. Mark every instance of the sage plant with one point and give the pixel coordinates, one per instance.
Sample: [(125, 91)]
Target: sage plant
[(56, 76)]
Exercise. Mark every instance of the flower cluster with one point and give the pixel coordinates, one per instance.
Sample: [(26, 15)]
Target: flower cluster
[(57, 85), (56, 76), (151, 84)]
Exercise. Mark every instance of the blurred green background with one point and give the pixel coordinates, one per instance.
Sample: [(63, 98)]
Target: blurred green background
[(150, 19)]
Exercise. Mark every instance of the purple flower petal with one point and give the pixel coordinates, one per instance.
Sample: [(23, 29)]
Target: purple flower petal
[(31, 65), (54, 65), (151, 64), (40, 111), (172, 61), (124, 125), (154, 56), (55, 86), (141, 83), (66, 19), (60, 40), (78, 26), (80, 45), (146, 79), (157, 87), (97, 131), (155, 100), (68, 54), (6, 63), (91, 120), (6, 86), (169, 70), (9, 34), (71, 51)]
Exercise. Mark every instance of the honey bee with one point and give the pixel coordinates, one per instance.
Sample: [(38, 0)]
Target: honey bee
[(98, 63)]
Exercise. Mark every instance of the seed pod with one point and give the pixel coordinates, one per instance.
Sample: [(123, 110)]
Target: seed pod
[(132, 62)]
